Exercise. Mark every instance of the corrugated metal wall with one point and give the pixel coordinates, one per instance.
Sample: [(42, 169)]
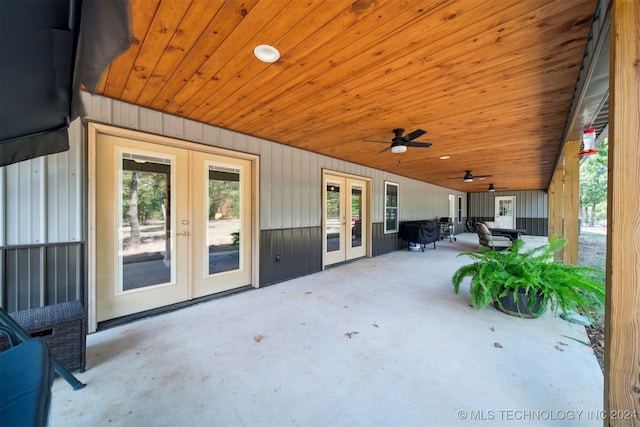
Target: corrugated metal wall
[(42, 237), (531, 209), (43, 201)]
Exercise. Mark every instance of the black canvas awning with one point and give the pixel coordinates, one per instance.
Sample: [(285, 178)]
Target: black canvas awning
[(48, 48)]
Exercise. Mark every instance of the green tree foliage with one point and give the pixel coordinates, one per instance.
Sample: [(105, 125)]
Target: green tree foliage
[(224, 198), (593, 186), (144, 195)]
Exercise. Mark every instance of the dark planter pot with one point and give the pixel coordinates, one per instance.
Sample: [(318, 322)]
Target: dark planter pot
[(520, 306)]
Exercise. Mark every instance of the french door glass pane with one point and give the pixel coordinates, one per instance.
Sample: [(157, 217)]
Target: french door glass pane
[(333, 210), (145, 225), (356, 216), (223, 227)]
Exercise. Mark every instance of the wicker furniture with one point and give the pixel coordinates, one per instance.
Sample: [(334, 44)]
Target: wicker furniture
[(62, 326)]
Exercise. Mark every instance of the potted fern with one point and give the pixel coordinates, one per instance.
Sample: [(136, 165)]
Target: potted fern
[(525, 282)]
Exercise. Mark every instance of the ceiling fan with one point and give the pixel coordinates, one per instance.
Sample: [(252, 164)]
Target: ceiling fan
[(400, 143), (493, 188), (468, 177)]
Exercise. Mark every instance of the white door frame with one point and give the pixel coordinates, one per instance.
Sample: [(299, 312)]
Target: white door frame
[(348, 179), (498, 217), (452, 207), (93, 129)]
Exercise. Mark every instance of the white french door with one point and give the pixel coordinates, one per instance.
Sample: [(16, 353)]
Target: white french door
[(505, 213), (171, 224), (345, 218)]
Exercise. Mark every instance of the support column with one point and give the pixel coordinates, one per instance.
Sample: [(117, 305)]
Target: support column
[(571, 202), (622, 318), (555, 205)]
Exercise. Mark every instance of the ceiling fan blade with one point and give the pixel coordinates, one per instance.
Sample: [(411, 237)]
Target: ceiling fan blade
[(386, 149), (418, 144), (482, 176), (413, 135), (375, 140)]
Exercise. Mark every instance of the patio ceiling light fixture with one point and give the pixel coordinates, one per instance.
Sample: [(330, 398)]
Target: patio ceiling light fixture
[(397, 149), (266, 53), (491, 188), (468, 177)]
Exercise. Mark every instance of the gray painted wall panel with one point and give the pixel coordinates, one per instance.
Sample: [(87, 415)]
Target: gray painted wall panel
[(299, 251), (26, 271), (530, 204)]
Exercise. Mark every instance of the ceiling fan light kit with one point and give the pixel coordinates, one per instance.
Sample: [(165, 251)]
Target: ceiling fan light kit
[(400, 143), (491, 188), (468, 177)]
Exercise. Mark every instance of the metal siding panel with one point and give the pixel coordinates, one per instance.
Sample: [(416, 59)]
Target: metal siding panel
[(211, 135), (56, 280), (36, 276), (28, 278), (315, 191), (64, 190), (303, 190), (10, 277), (11, 204), (378, 197), (287, 188), (103, 109), (55, 192), (38, 211), (26, 202), (265, 186), (193, 131), (125, 115), (150, 121), (239, 142), (266, 267), (253, 144), (276, 186), (226, 139), (296, 183), (77, 183), (64, 267), (299, 250), (173, 126), (21, 195)]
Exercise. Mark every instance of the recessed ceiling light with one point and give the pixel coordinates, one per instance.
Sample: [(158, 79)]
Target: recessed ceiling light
[(266, 53), (445, 157)]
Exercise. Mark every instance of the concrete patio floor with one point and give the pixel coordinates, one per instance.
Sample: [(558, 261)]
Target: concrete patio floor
[(381, 341)]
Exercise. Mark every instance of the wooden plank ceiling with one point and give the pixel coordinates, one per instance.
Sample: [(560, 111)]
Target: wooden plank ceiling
[(491, 81)]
